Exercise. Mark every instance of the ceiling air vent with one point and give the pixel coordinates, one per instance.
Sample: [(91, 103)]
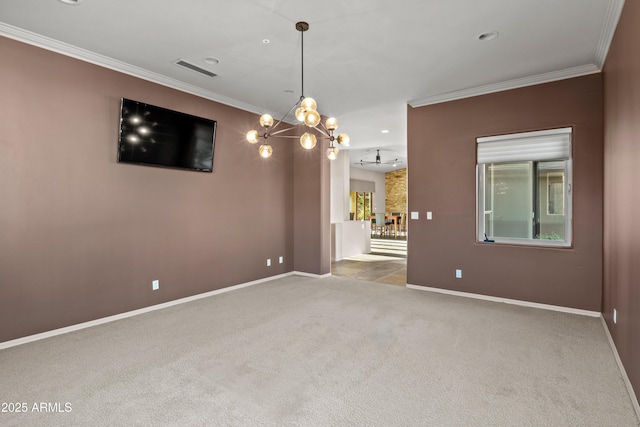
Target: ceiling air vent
[(183, 63)]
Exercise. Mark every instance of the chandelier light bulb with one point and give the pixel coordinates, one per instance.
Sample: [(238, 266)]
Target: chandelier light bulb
[(343, 139), (265, 150), (312, 118), (309, 104), (253, 136), (308, 140), (266, 120), (331, 123), (332, 153), (300, 113)]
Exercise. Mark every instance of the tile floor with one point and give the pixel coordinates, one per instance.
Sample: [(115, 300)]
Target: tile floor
[(387, 263)]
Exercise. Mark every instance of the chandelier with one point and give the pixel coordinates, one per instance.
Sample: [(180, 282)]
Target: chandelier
[(306, 112)]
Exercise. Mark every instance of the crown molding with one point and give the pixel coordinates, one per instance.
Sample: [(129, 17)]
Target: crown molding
[(552, 76), (614, 11), (66, 49)]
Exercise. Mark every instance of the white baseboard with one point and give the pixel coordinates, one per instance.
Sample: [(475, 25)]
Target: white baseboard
[(79, 326), (508, 301), (315, 276), (625, 377)]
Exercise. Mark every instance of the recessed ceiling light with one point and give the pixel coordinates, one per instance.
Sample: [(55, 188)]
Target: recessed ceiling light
[(385, 131), (266, 41), (488, 36), (211, 60), (71, 2), (289, 91)]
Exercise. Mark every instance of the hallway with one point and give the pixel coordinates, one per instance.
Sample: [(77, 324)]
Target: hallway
[(387, 263)]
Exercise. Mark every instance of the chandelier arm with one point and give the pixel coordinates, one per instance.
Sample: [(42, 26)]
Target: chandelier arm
[(286, 136), (284, 117), (276, 135), (323, 131), (283, 130)]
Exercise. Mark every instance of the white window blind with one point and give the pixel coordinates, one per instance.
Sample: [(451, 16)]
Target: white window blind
[(554, 144)]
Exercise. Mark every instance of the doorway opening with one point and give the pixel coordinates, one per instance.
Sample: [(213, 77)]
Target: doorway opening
[(385, 209)]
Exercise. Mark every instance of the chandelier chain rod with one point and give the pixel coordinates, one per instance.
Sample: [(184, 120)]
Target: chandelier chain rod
[(302, 64)]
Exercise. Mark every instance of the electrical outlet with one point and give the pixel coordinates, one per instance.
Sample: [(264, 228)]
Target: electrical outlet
[(281, 259), (429, 215), (458, 274), (269, 262), (155, 285)]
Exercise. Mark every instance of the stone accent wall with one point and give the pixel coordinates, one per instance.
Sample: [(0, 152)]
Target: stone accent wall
[(396, 191)]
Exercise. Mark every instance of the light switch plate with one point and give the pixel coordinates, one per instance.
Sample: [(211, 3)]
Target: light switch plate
[(415, 215), (429, 215)]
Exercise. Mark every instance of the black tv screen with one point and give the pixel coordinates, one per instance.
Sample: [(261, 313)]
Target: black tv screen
[(156, 136)]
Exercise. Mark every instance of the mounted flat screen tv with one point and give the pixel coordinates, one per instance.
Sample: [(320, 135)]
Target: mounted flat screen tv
[(156, 136)]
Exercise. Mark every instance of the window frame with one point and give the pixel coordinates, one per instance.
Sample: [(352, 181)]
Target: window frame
[(549, 193), (567, 195)]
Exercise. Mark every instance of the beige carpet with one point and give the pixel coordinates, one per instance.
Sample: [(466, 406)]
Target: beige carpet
[(323, 352)]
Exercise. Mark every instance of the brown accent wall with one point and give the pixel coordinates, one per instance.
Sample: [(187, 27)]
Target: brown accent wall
[(82, 236), (396, 189), (622, 197), (442, 179)]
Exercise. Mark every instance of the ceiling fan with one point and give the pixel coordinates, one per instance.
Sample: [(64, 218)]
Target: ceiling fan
[(378, 161)]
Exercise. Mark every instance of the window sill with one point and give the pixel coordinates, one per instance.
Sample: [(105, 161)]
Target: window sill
[(555, 244)]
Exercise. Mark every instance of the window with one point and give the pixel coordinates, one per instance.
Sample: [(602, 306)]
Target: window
[(360, 205), (361, 199), (524, 188)]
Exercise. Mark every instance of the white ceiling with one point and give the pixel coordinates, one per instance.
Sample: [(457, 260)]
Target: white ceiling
[(364, 60)]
